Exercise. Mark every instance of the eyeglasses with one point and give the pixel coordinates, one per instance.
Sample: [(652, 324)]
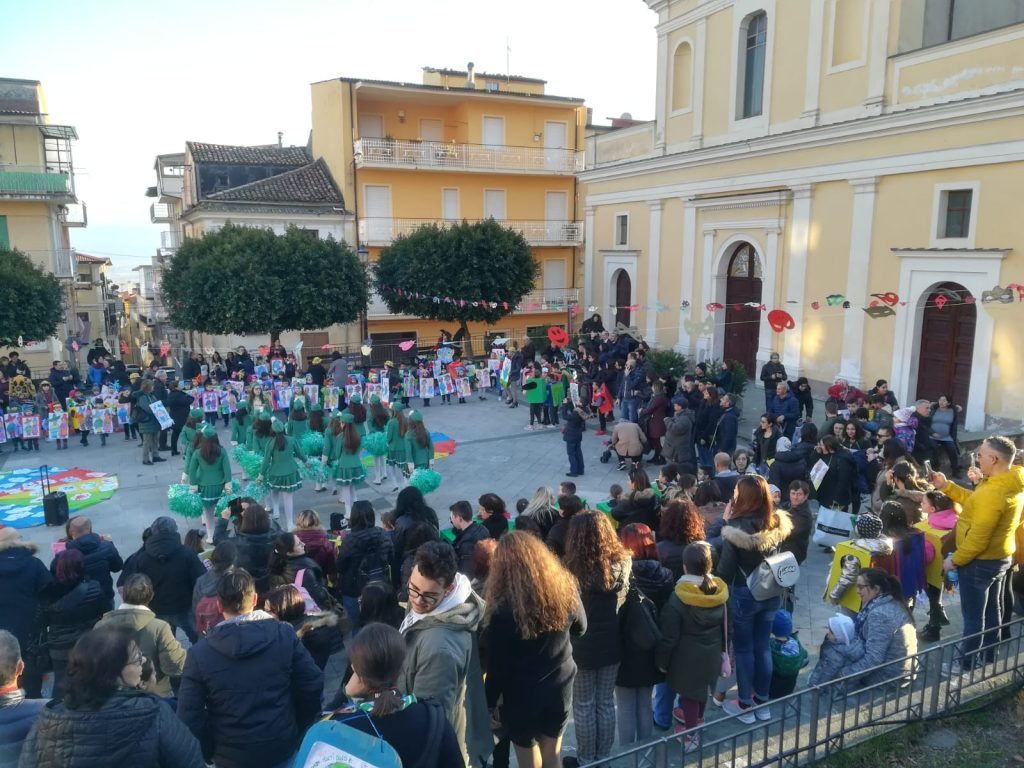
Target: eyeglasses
[(427, 598)]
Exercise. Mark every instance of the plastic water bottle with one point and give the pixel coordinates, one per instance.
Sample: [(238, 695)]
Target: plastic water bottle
[(952, 576)]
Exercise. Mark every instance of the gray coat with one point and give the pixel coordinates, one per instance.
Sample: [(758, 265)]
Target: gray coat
[(888, 636), (679, 438), (442, 662)]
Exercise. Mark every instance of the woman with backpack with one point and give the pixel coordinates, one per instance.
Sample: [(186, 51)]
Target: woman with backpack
[(367, 555), (209, 470), (601, 565), (753, 529), (533, 608), (280, 469), (289, 564), (638, 673), (318, 631), (418, 731)]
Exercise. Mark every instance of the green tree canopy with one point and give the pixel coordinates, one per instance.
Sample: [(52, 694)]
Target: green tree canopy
[(465, 272), (247, 280), (31, 299)]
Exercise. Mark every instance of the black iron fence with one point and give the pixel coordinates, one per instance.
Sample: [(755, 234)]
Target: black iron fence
[(813, 723)]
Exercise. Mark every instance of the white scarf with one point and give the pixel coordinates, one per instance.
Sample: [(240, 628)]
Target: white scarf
[(460, 594)]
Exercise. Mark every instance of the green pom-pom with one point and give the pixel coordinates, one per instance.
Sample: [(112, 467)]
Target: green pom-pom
[(223, 501), (183, 501), (427, 480), (250, 461), (255, 490), (314, 471), (376, 444), (312, 443)]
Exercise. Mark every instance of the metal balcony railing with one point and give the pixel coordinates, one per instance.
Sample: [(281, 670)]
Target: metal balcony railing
[(161, 213), (33, 181), (449, 156), (64, 262), (169, 239), (382, 231)]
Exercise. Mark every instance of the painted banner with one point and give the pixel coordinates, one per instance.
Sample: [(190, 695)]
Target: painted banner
[(160, 413)]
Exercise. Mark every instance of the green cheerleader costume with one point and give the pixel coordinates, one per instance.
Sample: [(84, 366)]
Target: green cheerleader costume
[(211, 478), (240, 432), (415, 454), (188, 436), (297, 427), (396, 442), (281, 467), (349, 468)]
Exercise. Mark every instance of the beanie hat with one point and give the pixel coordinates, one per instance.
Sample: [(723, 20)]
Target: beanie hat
[(209, 431), (196, 413), (869, 526), (783, 444), (782, 624), (374, 399), (680, 400), (842, 627), (415, 416), (356, 398), (316, 360), (774, 489), (397, 407)]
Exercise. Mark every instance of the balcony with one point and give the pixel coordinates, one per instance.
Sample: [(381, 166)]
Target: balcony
[(548, 300), (64, 260), (74, 215), (161, 213), (33, 182), (169, 240), (480, 158), (376, 309), (538, 232)]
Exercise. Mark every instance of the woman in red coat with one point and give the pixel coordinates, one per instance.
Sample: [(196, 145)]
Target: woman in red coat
[(653, 419)]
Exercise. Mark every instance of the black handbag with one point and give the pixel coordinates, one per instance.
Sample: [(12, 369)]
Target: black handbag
[(640, 617)]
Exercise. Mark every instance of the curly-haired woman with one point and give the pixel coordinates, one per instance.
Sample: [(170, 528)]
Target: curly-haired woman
[(532, 608), (681, 524)]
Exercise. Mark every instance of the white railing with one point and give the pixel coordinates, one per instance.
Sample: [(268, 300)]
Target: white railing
[(169, 239), (382, 231), (549, 300), (161, 213), (64, 262), (442, 155)]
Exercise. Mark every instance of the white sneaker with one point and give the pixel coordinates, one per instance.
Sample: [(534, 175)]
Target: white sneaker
[(691, 743), (528, 428), (743, 714), (762, 713), (953, 671)]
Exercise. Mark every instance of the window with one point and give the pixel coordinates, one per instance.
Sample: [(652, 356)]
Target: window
[(5, 238), (956, 217), (944, 20), (494, 204), (754, 40), (681, 75), (450, 204), (622, 229), (58, 154), (312, 234)]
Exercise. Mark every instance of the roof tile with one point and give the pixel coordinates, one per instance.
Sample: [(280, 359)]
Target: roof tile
[(238, 155), (312, 183)]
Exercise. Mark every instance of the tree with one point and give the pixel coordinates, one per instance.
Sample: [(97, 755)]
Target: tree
[(31, 300), (464, 272), (246, 280)]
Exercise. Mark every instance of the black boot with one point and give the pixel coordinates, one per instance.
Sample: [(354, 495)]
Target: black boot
[(930, 634), (939, 617)]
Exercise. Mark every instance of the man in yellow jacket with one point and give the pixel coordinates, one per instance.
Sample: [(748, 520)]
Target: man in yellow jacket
[(985, 542)]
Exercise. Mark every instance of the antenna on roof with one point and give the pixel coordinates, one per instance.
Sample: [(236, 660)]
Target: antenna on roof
[(470, 77), (280, 136), (508, 57)]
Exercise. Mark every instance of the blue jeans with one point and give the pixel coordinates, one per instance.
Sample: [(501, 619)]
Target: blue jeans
[(574, 450), (631, 409), (705, 456), (351, 605), (980, 584), (664, 701), (186, 621), (751, 629)]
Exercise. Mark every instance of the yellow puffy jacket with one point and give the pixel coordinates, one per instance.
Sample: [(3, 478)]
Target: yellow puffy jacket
[(987, 526)]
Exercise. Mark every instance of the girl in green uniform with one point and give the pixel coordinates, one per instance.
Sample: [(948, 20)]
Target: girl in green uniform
[(241, 426), (298, 421), (349, 472), (377, 422), (281, 471), (316, 424), (331, 436), (261, 434), (188, 434), (358, 411), (419, 448), (396, 429), (209, 470)]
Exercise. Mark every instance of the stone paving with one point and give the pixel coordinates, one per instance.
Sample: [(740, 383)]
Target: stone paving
[(493, 453)]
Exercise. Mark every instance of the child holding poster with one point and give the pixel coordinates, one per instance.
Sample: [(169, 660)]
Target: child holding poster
[(426, 378), (211, 404), (30, 429), (12, 426), (57, 427), (124, 414), (96, 426), (81, 418)]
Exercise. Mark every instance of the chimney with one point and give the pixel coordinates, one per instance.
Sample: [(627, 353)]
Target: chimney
[(471, 78), (280, 136)]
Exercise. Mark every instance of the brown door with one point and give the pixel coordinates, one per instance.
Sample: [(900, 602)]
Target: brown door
[(623, 297), (947, 345), (742, 323)]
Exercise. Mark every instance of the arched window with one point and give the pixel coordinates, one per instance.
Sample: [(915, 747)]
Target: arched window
[(753, 38), (682, 75)]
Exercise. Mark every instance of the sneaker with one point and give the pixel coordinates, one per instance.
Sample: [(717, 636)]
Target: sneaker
[(691, 743), (601, 432), (622, 465), (528, 428), (550, 426), (954, 671), (744, 714), (157, 458), (677, 715), (762, 713)]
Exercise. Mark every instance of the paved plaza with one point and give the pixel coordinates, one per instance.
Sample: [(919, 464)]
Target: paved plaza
[(493, 453)]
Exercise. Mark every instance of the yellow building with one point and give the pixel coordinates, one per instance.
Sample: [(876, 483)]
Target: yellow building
[(38, 203), (864, 150), (462, 145), (96, 300)]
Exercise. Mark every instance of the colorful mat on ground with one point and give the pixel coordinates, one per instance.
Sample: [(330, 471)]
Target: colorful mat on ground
[(21, 495), (444, 447)]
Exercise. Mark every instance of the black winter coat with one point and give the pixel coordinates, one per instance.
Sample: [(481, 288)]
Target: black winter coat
[(839, 486), (101, 560), (178, 406), (465, 545), (555, 538), (706, 422), (249, 691), (406, 731), (638, 669), (575, 425), (254, 550), (131, 730), (496, 525), (638, 507), (726, 431), (601, 646), (803, 527), (72, 612), (792, 465), (320, 634), (22, 578), (17, 716), (356, 547), (312, 580), (171, 566)]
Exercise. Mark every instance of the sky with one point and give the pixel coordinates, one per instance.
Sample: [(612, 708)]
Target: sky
[(138, 79)]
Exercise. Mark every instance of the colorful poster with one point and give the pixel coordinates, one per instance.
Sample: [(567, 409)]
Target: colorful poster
[(283, 398), (211, 401), (506, 371), (97, 421), (426, 388), (385, 390), (445, 385), (331, 398), (373, 389), (457, 369), (410, 386), (30, 427), (312, 393), (494, 364), (230, 400), (277, 366), (13, 423), (438, 369), (261, 370), (484, 378), (351, 390), (463, 387), (108, 421), (446, 354), (124, 414), (3, 432), (574, 394), (160, 412)]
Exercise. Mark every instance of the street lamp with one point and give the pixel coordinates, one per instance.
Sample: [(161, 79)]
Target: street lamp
[(364, 258)]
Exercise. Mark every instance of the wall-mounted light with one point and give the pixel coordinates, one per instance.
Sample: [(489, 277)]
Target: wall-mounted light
[(401, 115), (536, 136)]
